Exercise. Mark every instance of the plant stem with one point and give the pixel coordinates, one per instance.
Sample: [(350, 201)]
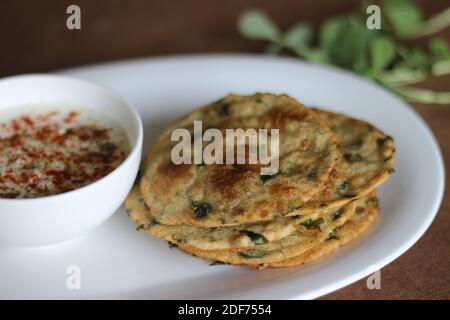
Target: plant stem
[(408, 76), (441, 68), (434, 24), (422, 95), (401, 78)]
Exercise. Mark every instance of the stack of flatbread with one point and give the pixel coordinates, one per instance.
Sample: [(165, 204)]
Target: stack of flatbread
[(322, 196)]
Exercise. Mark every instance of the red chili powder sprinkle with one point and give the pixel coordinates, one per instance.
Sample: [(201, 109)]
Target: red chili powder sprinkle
[(52, 153)]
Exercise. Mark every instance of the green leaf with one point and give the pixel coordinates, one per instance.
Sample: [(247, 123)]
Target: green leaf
[(343, 187), (423, 95), (404, 16), (315, 55), (382, 52), (221, 107), (252, 254), (172, 245), (416, 58), (345, 41), (266, 177), (298, 37), (331, 32), (201, 209), (140, 174), (152, 223), (218, 263), (255, 237), (255, 24), (332, 235), (311, 224), (439, 48), (338, 214)]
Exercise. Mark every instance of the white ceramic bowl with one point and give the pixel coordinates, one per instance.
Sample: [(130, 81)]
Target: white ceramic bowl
[(57, 218)]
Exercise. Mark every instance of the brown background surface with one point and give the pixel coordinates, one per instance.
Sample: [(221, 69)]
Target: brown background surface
[(34, 38)]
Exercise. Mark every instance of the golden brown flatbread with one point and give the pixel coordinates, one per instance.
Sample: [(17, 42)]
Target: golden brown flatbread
[(232, 194), (233, 238)]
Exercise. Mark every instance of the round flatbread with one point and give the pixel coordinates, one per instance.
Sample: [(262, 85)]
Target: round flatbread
[(231, 194), (366, 163), (288, 247), (234, 238), (353, 228)]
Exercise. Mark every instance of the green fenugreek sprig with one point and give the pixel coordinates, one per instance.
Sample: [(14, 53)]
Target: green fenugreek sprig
[(377, 54)]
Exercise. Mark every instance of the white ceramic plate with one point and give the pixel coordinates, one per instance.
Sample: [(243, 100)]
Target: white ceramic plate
[(118, 262)]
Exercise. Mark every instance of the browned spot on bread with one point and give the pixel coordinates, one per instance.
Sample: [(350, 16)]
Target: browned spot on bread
[(171, 170), (264, 213), (232, 183), (360, 210), (305, 144), (238, 211), (333, 173), (281, 115), (282, 189), (311, 232), (247, 166), (169, 176)]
